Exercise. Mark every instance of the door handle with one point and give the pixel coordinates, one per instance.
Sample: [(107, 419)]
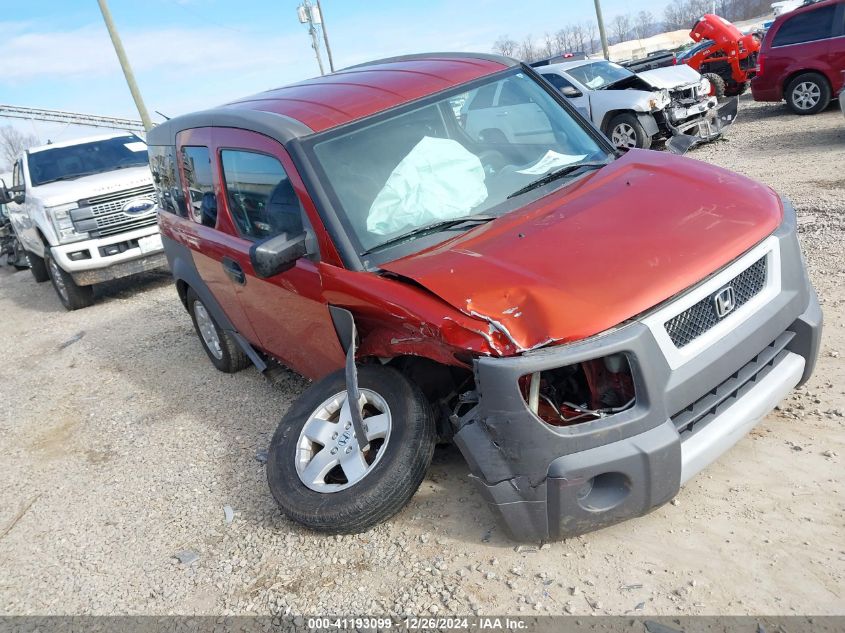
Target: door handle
[(234, 270)]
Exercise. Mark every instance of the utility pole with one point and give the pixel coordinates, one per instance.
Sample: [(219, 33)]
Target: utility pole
[(325, 35), (306, 15), (602, 33), (124, 64)]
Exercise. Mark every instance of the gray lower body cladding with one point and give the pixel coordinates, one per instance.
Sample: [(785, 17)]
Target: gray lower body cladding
[(547, 483)]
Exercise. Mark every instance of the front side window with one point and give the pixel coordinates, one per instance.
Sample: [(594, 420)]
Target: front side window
[(261, 197), (599, 75), (202, 203), (75, 161), (806, 27), (447, 160), (163, 168)]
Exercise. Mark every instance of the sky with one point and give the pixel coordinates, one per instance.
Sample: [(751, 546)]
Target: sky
[(194, 54)]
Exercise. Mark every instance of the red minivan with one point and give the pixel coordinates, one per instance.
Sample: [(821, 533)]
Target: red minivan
[(803, 57)]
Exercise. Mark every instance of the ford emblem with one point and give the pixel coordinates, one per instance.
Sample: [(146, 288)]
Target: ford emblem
[(138, 206)]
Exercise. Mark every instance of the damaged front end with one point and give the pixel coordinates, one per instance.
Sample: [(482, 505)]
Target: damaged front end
[(692, 125)]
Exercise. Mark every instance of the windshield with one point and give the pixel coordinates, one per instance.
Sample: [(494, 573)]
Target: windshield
[(459, 157), (599, 75), (74, 161)]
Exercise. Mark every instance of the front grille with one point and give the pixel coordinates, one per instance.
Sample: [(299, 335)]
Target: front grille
[(737, 385), (108, 210), (699, 318)]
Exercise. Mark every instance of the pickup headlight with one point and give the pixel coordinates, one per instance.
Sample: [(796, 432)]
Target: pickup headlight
[(660, 100), (60, 216), (704, 87)]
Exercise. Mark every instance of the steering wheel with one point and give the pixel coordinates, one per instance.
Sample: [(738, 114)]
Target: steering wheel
[(492, 160)]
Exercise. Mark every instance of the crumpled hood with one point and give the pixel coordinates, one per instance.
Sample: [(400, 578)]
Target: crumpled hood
[(599, 251), (671, 77), (66, 191)]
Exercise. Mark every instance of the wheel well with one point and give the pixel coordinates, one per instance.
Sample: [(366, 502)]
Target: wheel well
[(182, 289), (798, 73), (609, 116), (441, 384)]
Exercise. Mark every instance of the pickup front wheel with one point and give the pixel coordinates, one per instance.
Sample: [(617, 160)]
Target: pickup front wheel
[(319, 474), (73, 297)]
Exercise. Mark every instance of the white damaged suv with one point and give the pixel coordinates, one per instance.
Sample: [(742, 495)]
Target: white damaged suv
[(634, 110)]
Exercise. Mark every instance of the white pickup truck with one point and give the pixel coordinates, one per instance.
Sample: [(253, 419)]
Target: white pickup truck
[(85, 212)]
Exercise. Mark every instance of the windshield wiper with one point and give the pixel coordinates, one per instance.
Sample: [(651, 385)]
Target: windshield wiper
[(554, 175), (428, 229), (71, 176)]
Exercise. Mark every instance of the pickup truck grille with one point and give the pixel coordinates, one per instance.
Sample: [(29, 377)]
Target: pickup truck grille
[(702, 410), (108, 210), (697, 319)]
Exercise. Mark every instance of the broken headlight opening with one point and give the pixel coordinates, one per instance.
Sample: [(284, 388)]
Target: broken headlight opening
[(582, 392)]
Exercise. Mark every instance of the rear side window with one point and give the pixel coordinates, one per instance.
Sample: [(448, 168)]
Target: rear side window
[(202, 205), (483, 98), (806, 27), (260, 195), (163, 167)]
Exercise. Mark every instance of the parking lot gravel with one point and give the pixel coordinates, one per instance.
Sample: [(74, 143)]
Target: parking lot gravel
[(133, 483)]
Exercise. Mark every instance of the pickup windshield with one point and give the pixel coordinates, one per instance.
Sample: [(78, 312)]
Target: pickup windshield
[(468, 154), (84, 159), (599, 75)]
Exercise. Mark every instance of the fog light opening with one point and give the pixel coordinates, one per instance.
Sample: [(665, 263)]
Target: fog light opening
[(604, 492)]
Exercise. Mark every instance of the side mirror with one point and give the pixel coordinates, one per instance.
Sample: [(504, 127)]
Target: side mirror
[(571, 92), (277, 254)]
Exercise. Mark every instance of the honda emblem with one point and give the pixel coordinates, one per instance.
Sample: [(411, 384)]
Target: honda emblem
[(724, 302)]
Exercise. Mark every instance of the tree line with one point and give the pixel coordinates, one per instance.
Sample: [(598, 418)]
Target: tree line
[(583, 37)]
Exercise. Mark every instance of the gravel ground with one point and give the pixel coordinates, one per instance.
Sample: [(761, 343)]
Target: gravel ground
[(122, 447)]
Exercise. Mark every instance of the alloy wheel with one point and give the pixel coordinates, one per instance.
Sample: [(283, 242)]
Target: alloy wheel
[(806, 95), (623, 135), (208, 331), (328, 457)]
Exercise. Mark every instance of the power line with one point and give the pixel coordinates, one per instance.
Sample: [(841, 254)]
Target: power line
[(70, 118)]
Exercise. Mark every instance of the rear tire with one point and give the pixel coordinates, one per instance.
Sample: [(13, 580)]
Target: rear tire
[(626, 132), (717, 85), (73, 297), (808, 93), (221, 347), (348, 490), (38, 267)]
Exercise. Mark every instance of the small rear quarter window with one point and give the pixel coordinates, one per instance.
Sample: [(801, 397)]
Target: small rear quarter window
[(163, 167)]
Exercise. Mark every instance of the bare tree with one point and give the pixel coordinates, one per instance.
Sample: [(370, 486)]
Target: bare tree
[(592, 31), (620, 27), (549, 46), (12, 144), (527, 52), (562, 39), (505, 46), (644, 24), (579, 37)]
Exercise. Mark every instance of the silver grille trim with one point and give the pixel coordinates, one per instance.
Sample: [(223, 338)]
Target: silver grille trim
[(108, 210)]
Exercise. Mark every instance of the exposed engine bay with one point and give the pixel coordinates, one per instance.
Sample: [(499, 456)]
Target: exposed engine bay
[(578, 393)]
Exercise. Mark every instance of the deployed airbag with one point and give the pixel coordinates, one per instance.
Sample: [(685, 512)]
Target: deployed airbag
[(439, 179)]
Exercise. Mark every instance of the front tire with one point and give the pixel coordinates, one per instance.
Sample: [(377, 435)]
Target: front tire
[(808, 94), (222, 348), (717, 85), (73, 297), (38, 267), (626, 132), (318, 474)]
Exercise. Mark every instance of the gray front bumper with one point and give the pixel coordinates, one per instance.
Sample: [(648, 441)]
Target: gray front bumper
[(553, 482)]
